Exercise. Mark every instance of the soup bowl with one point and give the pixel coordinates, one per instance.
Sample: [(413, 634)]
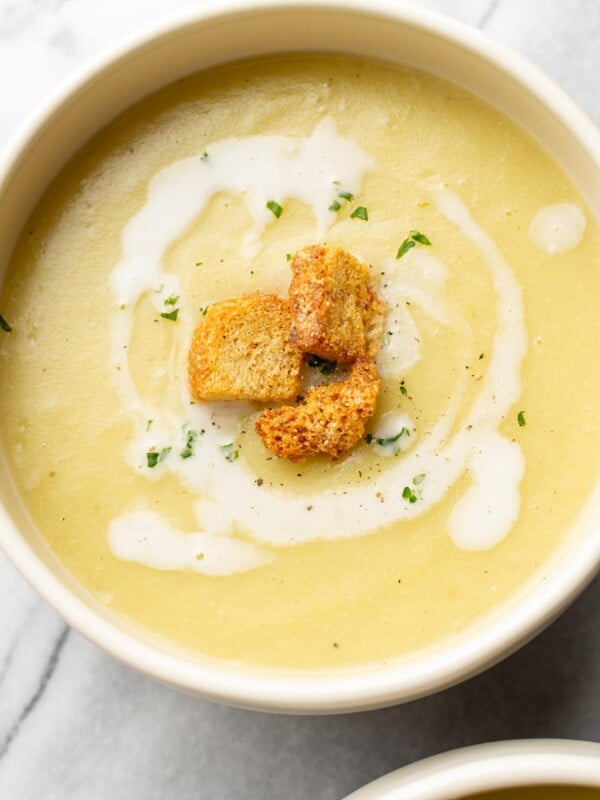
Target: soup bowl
[(214, 34), (489, 768)]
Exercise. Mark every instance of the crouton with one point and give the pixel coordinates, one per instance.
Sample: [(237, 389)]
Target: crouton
[(331, 419), (241, 351), (335, 312)]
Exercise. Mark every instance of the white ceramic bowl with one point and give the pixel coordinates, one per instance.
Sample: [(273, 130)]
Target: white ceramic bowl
[(489, 767), (218, 32)]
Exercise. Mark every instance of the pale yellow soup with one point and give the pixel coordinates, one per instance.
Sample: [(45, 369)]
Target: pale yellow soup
[(345, 600), (540, 793)]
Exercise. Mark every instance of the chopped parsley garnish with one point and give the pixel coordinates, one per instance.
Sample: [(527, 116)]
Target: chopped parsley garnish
[(417, 236), (288, 256), (204, 156), (172, 315), (172, 300), (383, 441), (154, 457), (344, 195), (360, 213), (204, 311), (148, 424), (199, 263), (160, 288), (403, 389), (411, 241), (406, 245), (275, 208), (324, 366), (4, 325), (413, 495), (229, 452), (521, 419), (188, 450), (408, 494)]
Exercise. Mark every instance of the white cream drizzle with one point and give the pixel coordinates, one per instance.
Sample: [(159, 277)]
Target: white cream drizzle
[(227, 497), (146, 538), (557, 228), (490, 507), (419, 278)]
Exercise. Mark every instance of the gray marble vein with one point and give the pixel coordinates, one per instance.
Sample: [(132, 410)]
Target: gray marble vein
[(76, 724)]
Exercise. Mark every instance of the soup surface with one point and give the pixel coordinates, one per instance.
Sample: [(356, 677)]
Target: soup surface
[(540, 793), (489, 363)]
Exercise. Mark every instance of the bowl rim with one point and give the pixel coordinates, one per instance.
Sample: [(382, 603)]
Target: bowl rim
[(373, 685), (489, 767)]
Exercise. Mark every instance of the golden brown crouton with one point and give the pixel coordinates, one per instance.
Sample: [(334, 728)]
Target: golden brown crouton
[(335, 313), (331, 420), (241, 351)]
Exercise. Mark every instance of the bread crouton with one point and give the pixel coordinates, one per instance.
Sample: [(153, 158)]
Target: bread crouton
[(331, 420), (241, 351), (335, 312)]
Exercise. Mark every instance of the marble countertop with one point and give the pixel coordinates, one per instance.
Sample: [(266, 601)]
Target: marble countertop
[(76, 724)]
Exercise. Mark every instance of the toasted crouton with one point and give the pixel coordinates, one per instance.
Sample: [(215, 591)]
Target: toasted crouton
[(241, 351), (335, 312), (331, 420)]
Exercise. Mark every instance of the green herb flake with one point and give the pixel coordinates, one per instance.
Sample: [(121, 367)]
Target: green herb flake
[(406, 245), (288, 256), (172, 315), (160, 288), (172, 300), (335, 206), (149, 424), (346, 195), (391, 439), (229, 452), (385, 441), (417, 236), (521, 419), (408, 494), (275, 208), (418, 479), (403, 389), (188, 450), (360, 213), (199, 263), (204, 156), (204, 311), (154, 457), (411, 241), (4, 325), (324, 366)]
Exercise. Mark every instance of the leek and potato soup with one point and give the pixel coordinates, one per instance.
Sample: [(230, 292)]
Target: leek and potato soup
[(484, 447), (540, 793)]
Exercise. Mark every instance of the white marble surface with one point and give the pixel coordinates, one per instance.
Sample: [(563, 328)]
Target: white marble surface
[(75, 724)]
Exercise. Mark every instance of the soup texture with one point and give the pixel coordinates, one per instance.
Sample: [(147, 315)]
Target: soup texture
[(540, 793), (483, 452)]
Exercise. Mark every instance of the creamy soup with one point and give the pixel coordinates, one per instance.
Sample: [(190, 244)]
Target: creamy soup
[(173, 514), (540, 793)]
